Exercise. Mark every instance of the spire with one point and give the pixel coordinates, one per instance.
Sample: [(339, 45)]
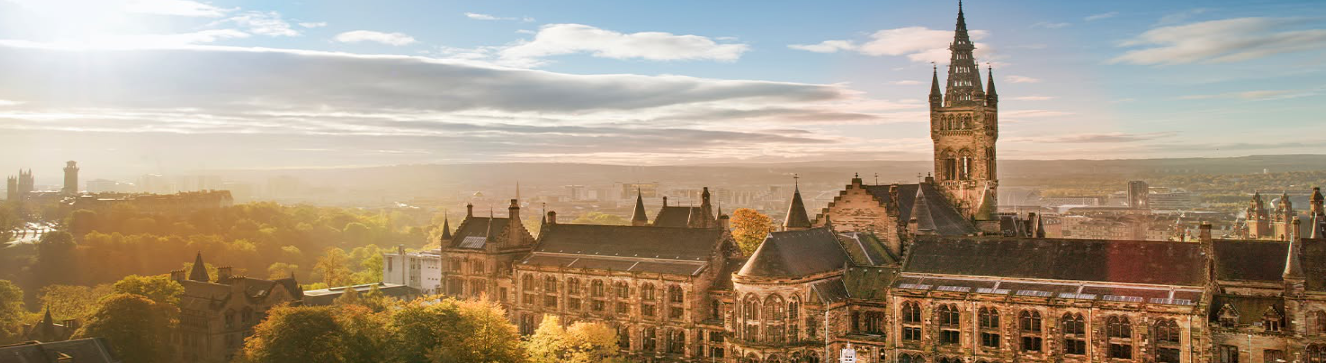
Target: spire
[(925, 223), (936, 96), (1293, 261), (199, 271), (796, 212), (1317, 203), (988, 209), (638, 217), (991, 97), (964, 77), (446, 227)]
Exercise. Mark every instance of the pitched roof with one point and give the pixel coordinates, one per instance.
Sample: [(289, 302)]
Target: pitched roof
[(947, 220), (1314, 263), (673, 216), (199, 272), (796, 254), (90, 350), (796, 212), (477, 232), (1250, 309), (630, 241), (638, 216), (865, 249), (1141, 262), (1241, 260), (869, 282)]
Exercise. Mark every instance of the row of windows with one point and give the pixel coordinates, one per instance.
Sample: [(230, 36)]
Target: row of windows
[(597, 289)]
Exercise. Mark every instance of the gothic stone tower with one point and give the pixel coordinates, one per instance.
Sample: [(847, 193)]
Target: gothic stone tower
[(70, 178), (964, 126)]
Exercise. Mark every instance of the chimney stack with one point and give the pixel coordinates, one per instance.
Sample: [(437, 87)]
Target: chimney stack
[(723, 222), (1204, 233), (552, 217), (223, 274), (469, 210)]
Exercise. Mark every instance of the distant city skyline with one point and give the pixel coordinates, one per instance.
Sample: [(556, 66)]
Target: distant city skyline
[(145, 86)]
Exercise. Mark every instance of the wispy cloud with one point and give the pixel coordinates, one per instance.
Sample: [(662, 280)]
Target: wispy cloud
[(918, 44), (1033, 98), (174, 7), (267, 23), (1049, 25), (907, 82), (479, 16), (1250, 95), (1021, 79), (1101, 16), (1219, 41), (1180, 17), (1113, 137), (311, 25), (397, 39), (560, 39)]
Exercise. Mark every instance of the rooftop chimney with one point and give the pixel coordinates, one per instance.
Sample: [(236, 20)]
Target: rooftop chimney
[(552, 217), (1204, 233)]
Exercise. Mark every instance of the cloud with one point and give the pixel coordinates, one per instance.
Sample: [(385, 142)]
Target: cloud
[(1222, 41), (1049, 25), (1180, 16), (478, 16), (1101, 16), (918, 44), (264, 23), (827, 46), (559, 39), (397, 39), (1113, 137), (907, 82), (174, 7), (1250, 95), (1033, 98), (7, 103), (311, 25), (1021, 79)]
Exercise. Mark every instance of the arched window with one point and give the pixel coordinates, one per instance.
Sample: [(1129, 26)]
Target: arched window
[(989, 324), (948, 165), (677, 342), (1167, 331), (623, 290), (989, 318), (911, 312), (527, 283), (596, 288), (1074, 330), (649, 339), (1271, 320), (910, 358), (1030, 321), (573, 286), (948, 315), (949, 360), (1120, 333), (874, 322), (752, 308), (550, 285), (1316, 322), (773, 308), (966, 166), (647, 292), (1315, 353), (675, 295)]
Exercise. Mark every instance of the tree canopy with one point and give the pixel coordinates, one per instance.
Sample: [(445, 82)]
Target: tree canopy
[(749, 228)]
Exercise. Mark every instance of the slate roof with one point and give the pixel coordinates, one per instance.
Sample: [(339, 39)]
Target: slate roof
[(869, 282), (674, 216), (1139, 262), (947, 221), (474, 232), (796, 213), (684, 251), (791, 254), (1241, 260), (830, 290), (204, 296), (1075, 290), (866, 249), (1314, 263), (88, 350), (328, 296)]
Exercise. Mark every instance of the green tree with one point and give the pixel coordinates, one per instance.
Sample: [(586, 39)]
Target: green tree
[(583, 342), (72, 301), (137, 327), (56, 260), (159, 288), (749, 228), (454, 331), (11, 310), (333, 267), (601, 218), (280, 270), (548, 341), (296, 334), (348, 297), (356, 234), (367, 334), (81, 222)]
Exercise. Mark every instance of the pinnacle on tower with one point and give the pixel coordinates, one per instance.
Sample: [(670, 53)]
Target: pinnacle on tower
[(964, 77), (199, 271), (796, 212), (638, 217), (936, 96), (991, 97), (446, 227)]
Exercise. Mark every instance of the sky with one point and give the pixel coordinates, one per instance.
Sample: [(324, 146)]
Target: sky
[(151, 85)]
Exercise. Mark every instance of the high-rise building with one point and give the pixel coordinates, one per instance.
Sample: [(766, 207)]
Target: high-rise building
[(1138, 195), (70, 178)]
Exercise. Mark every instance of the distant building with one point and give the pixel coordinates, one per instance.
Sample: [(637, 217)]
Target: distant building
[(1139, 195), (47, 330), (108, 186), (418, 270), (70, 178), (217, 315), (328, 296), (20, 186), (179, 203), (1170, 199)]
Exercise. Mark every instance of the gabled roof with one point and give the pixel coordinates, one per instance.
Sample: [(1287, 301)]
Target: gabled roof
[(796, 212), (199, 271), (947, 220), (477, 232), (673, 216), (792, 254), (867, 250), (89, 350), (1138, 262), (1250, 309), (630, 241), (1241, 260)]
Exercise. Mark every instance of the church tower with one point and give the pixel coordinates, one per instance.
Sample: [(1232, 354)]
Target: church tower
[(964, 126), (70, 178)]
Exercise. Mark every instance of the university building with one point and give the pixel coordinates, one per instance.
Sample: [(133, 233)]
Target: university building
[(904, 273)]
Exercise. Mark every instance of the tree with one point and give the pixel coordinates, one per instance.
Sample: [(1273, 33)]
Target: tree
[(81, 222), (56, 260), (333, 267), (583, 342), (280, 270), (137, 327), (601, 218), (348, 297), (160, 288), (72, 301), (367, 334), (11, 310), (444, 330), (296, 334), (749, 228)]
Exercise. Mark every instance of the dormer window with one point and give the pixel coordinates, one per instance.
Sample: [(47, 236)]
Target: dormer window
[(1271, 320), (1229, 317)]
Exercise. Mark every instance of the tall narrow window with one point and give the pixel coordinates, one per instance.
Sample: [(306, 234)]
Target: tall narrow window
[(949, 320), (1030, 323), (1074, 330), (1120, 333), (1167, 341), (989, 325)]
